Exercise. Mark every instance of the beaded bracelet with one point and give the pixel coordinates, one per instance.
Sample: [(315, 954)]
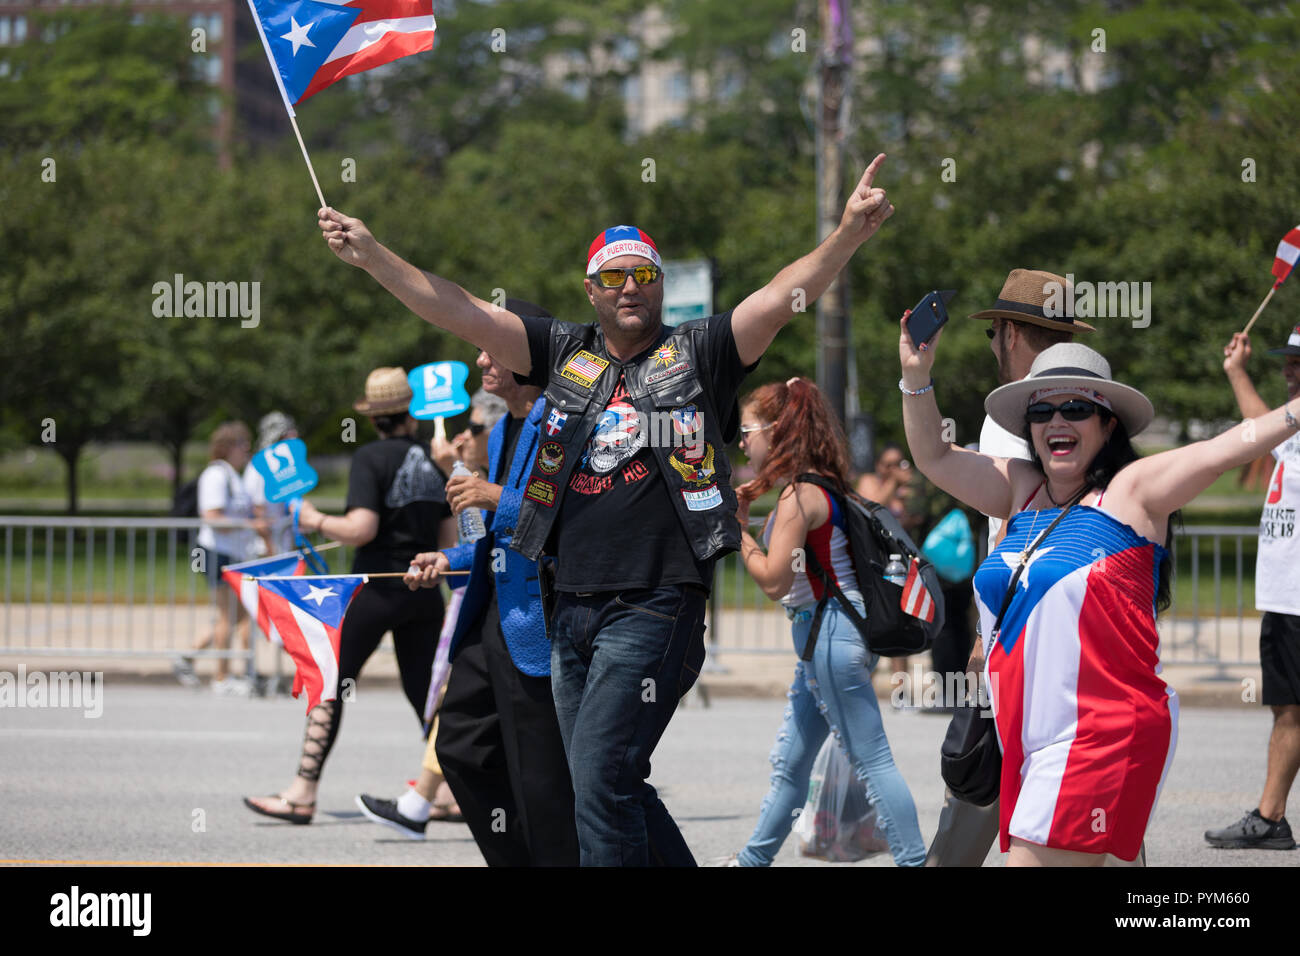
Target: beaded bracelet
[(920, 391)]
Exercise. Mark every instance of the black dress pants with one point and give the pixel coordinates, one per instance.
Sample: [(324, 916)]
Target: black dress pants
[(500, 749)]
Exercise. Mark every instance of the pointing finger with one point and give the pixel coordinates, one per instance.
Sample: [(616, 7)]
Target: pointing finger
[(869, 176)]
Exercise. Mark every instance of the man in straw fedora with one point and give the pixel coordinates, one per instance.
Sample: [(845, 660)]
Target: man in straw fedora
[(636, 517), (1277, 595), (396, 506)]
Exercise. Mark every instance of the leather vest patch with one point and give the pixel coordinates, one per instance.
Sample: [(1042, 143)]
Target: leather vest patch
[(599, 418)]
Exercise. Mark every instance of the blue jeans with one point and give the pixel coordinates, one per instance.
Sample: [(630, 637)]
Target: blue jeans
[(833, 693), (620, 662)]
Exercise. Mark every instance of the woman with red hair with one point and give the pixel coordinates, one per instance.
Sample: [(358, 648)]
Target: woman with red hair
[(788, 430)]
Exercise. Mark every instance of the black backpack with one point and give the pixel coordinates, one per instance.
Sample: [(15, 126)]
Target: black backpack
[(186, 502), (874, 534)]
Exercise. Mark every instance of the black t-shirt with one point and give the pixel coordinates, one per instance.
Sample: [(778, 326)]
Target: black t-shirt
[(617, 528), (508, 444), (395, 478), (513, 427)]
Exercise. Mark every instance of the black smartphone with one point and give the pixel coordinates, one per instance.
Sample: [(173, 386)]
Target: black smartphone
[(928, 316)]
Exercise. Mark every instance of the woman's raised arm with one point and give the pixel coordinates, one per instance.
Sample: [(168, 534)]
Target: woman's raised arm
[(981, 481)]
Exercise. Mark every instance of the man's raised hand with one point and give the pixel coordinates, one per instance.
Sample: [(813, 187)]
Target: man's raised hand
[(868, 207), (1236, 353), (348, 237)]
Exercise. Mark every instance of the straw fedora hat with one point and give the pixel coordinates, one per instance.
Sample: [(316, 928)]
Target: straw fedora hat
[(387, 393), (1024, 296), (1074, 366)]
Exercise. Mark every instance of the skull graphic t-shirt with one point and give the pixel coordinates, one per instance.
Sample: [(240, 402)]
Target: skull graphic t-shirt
[(616, 527), (618, 519)]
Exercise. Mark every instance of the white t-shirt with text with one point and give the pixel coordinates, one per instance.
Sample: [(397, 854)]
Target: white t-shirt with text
[(1277, 566)]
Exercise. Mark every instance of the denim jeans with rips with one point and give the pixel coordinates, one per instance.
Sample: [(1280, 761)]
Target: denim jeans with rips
[(832, 693), (620, 662)]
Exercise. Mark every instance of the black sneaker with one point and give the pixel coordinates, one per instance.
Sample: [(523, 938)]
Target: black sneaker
[(385, 812), (1253, 832)]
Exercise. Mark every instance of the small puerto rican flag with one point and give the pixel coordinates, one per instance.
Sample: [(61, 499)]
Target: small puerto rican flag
[(1288, 251), (555, 422), (917, 600)]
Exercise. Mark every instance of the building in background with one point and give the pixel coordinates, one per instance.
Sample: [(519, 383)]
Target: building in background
[(247, 103)]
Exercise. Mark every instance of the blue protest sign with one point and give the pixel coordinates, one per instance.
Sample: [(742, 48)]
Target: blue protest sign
[(284, 468), (439, 389)]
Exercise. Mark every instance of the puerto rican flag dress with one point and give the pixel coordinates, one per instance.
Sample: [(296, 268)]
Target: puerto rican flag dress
[(1086, 724)]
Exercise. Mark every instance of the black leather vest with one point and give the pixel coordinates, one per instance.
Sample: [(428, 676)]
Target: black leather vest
[(671, 390)]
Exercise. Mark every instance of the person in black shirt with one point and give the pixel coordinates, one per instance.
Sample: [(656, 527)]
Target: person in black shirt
[(622, 504), (396, 505)]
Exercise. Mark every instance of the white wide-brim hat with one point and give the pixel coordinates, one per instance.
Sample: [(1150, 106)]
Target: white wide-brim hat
[(1076, 367)]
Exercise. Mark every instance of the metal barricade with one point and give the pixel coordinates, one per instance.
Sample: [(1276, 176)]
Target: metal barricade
[(110, 588), (1211, 621), (129, 587)]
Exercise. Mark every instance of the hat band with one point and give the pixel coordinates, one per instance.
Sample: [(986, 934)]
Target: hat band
[(1024, 308), (622, 247), (1042, 393), (1066, 371)]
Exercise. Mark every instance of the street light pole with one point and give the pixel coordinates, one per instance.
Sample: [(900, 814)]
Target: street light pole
[(832, 102)]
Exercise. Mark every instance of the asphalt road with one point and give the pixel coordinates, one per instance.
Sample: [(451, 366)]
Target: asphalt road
[(136, 783)]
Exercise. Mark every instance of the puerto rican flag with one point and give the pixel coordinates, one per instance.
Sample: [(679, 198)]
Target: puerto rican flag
[(1087, 726), (307, 612), (555, 422), (313, 43), (917, 600), (1288, 251), (241, 576)]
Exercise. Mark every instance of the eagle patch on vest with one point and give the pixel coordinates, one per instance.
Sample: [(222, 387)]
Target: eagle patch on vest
[(698, 473), (550, 457)]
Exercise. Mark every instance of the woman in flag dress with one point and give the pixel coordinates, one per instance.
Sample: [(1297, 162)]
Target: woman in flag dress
[(787, 430), (1086, 724)]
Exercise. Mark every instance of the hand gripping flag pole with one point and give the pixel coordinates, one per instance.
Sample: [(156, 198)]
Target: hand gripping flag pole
[(1288, 251)]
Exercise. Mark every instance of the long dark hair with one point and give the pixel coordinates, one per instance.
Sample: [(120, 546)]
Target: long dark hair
[(806, 435), (1108, 462)]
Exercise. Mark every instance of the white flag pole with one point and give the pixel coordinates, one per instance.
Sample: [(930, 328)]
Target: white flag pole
[(284, 95)]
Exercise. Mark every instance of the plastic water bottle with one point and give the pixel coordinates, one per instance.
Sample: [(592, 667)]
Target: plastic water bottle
[(896, 570), (470, 521)]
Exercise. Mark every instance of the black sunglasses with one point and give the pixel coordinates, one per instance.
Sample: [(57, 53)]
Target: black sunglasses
[(1074, 410), (612, 278), (476, 428), (991, 334)]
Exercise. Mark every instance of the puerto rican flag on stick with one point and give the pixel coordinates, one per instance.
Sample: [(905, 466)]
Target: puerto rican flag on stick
[(1284, 260), (917, 600), (240, 578), (312, 44), (307, 612), (1288, 250)]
